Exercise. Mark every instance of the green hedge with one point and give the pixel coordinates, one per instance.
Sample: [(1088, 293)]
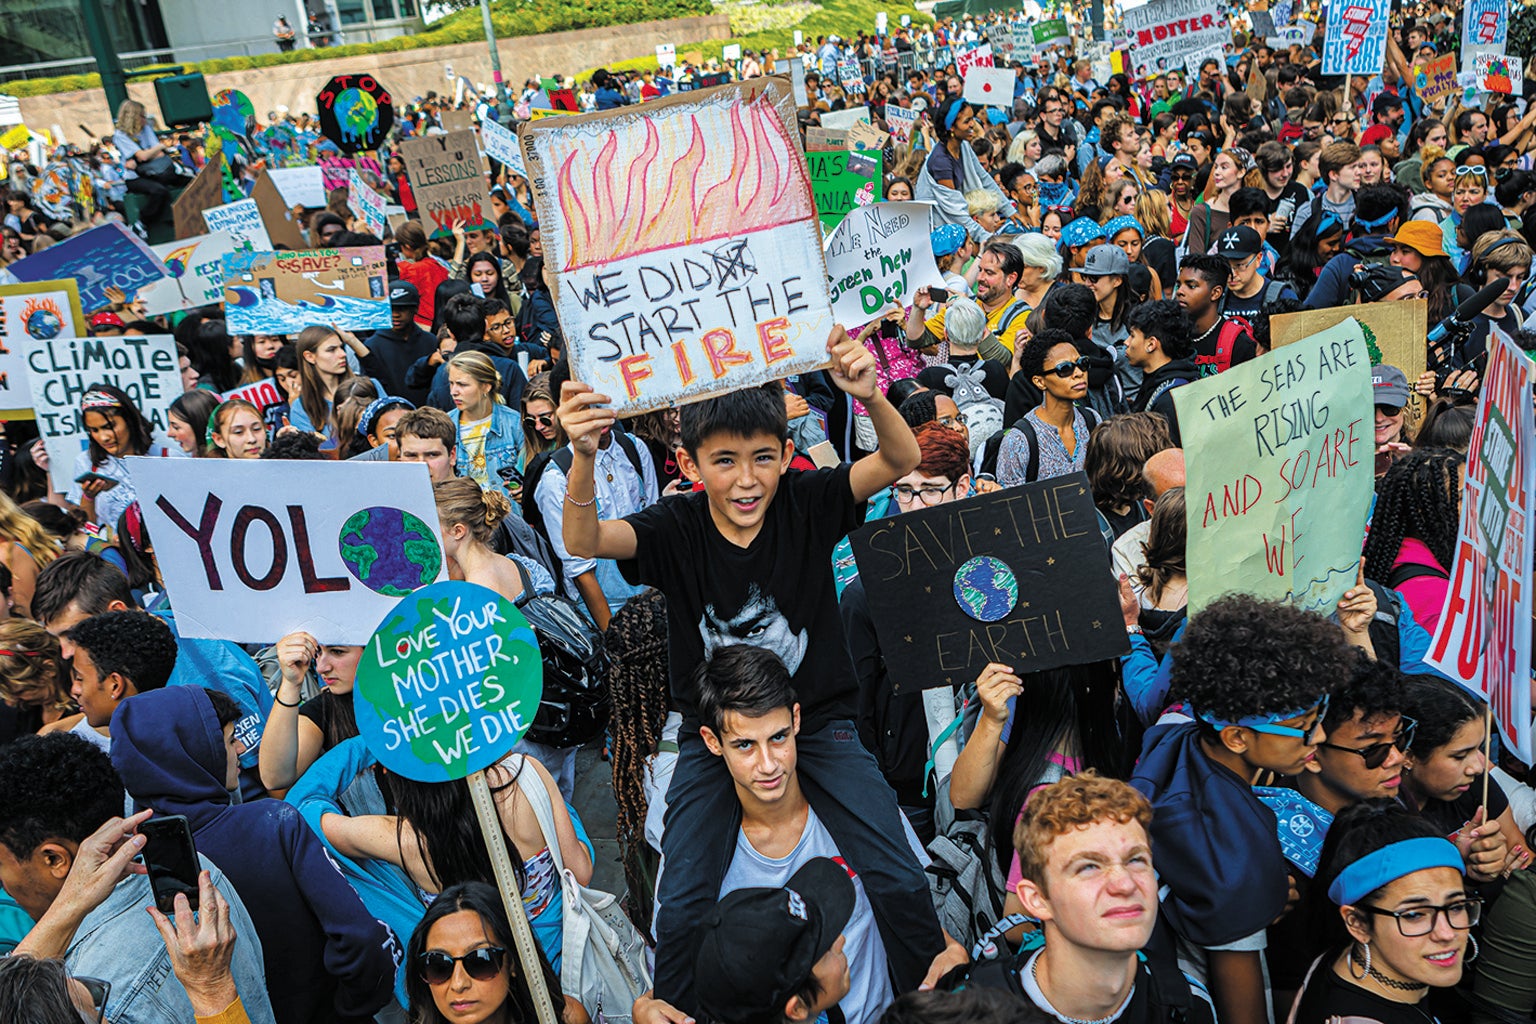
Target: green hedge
[(511, 18)]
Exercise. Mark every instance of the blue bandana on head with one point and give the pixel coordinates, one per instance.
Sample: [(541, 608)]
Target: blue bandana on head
[(947, 239), (1119, 224), (1082, 231), (1055, 195)]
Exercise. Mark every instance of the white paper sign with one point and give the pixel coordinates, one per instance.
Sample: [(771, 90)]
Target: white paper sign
[(60, 371), (500, 143), (300, 186), (797, 83), (845, 119), (196, 278), (878, 256), (666, 55), (242, 219), (369, 204), (731, 51), (980, 56), (252, 550), (901, 121), (44, 310), (989, 87)]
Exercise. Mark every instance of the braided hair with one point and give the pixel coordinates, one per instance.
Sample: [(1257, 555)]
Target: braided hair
[(1420, 497), (638, 684)]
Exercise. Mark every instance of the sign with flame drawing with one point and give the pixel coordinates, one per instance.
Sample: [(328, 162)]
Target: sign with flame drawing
[(683, 236), (39, 311)]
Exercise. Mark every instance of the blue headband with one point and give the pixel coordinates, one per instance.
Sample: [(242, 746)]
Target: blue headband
[(378, 407), (1378, 222), (1267, 723), (954, 112), (1388, 864), (1327, 221)]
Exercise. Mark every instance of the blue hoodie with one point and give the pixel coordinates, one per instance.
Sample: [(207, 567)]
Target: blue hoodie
[(1215, 845), (327, 958)]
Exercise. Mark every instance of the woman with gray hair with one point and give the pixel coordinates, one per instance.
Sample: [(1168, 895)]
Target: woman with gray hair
[(1042, 266), (977, 385)]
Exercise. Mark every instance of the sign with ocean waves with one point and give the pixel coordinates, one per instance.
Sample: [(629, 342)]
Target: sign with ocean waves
[(285, 292)]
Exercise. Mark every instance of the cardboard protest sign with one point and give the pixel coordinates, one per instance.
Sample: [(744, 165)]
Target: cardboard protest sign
[(356, 112), (1497, 72), (282, 227), (103, 257), (1435, 80), (836, 187), (32, 312), (683, 241), (1484, 636), (901, 120), (1394, 333), (448, 683), (253, 549), (879, 256), (242, 219), (1277, 502), (60, 370), (826, 139), (367, 204), (850, 77), (299, 186), (865, 136), (1018, 576), (1355, 37), (447, 181), (989, 87), (500, 144), (205, 191), (458, 120), (1484, 29), (195, 273), (842, 120), (285, 292), (1051, 33), (1164, 32)]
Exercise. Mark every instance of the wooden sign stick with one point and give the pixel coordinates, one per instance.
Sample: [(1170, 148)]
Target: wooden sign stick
[(511, 897)]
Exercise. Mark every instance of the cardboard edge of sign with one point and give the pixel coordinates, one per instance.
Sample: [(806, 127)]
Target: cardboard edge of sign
[(779, 91)]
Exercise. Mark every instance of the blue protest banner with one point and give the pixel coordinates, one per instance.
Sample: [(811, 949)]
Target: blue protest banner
[(97, 260), (1355, 37)]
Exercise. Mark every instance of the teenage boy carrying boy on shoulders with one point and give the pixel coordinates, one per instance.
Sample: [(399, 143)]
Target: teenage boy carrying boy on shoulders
[(746, 558)]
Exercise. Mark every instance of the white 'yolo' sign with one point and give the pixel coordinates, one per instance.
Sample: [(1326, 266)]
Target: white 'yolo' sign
[(683, 237), (252, 550)]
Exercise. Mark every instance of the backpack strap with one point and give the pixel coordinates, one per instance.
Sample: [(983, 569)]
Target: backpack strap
[(1272, 292), (565, 458), (1412, 571), (1226, 341), (1031, 468), (525, 580)]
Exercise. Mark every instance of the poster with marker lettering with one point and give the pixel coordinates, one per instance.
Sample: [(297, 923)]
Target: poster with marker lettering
[(1484, 635), (682, 236), (1164, 32), (1355, 37), (1019, 576), (32, 312), (1276, 504)]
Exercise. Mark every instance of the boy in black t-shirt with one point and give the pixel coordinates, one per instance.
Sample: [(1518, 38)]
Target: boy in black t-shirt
[(748, 560)]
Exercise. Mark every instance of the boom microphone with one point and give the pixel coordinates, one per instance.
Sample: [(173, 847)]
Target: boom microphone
[(1469, 309)]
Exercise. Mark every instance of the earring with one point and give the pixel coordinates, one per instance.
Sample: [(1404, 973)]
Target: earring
[(1365, 973), (1475, 950)]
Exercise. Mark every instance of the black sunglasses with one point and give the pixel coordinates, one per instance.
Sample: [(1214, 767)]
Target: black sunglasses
[(483, 964), (542, 419), (1068, 367), (98, 991), (1376, 754)]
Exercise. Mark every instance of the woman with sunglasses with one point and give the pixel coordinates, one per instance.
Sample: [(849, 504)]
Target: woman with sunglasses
[(1052, 438), (1403, 915), (540, 427), (1443, 779), (463, 967)]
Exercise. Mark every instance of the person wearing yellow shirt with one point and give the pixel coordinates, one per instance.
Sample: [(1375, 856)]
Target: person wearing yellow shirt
[(1001, 265)]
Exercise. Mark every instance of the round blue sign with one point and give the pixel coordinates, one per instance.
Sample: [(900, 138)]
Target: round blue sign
[(449, 682), (986, 588)]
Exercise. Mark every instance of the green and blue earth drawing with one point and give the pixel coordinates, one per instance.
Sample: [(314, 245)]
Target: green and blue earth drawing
[(986, 588), (390, 551)]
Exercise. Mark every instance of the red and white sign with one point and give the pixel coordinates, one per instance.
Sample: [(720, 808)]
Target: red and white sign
[(989, 87), (980, 56), (1484, 637)]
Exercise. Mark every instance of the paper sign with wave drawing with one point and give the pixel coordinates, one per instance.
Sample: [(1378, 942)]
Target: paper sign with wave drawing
[(684, 242)]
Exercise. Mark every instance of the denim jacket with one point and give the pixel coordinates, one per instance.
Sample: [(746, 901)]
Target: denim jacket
[(117, 942), (503, 447)]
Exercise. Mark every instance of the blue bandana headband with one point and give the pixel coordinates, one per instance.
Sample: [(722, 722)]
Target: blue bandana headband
[(954, 113), (1261, 722), (378, 407), (1390, 863), (1381, 221)]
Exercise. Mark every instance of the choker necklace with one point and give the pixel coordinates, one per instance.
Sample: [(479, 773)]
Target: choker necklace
[(1381, 979), (1034, 972)]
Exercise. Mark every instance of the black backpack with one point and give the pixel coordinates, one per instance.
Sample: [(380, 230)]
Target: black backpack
[(574, 706), (564, 457)]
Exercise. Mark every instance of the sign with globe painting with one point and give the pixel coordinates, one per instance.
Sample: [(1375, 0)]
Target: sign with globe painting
[(337, 544), (448, 683), (1020, 577), (356, 112), (39, 311)]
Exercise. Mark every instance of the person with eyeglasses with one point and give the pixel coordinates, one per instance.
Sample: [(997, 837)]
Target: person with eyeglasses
[(1403, 915), (1051, 439), (1254, 676), (462, 965)]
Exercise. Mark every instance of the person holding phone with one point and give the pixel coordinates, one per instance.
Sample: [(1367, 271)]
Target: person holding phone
[(102, 487)]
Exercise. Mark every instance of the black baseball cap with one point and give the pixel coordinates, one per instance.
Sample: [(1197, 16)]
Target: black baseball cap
[(403, 295), (1185, 162), (1238, 243), (757, 946)]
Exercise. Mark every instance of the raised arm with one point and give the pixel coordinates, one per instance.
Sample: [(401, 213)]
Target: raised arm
[(583, 417), (896, 453)]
